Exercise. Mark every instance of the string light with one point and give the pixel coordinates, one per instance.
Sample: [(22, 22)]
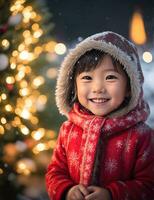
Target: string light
[(147, 57), (60, 48)]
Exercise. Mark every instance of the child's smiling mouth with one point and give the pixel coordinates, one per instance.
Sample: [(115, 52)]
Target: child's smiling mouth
[(98, 100)]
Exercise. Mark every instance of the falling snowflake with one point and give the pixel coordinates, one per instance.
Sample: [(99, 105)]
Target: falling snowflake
[(111, 166)]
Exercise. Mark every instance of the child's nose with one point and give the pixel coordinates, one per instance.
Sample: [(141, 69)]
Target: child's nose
[(98, 87)]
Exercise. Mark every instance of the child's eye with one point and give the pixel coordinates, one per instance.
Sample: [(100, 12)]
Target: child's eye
[(110, 77), (86, 77)]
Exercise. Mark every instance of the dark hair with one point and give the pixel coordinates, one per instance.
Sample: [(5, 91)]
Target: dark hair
[(87, 62)]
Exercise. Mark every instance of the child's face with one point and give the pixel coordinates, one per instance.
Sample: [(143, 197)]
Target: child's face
[(103, 89)]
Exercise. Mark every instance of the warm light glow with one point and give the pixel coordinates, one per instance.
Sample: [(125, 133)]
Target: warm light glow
[(24, 130), (38, 33), (60, 48), (20, 75), (26, 33), (21, 47), (4, 97), (3, 120), (8, 108), (38, 50), (24, 92), (15, 53), (147, 57), (25, 166), (39, 147), (50, 46), (38, 81), (25, 114), (1, 171), (13, 65), (52, 73), (24, 55), (10, 80), (137, 29), (35, 27), (5, 43), (37, 135), (1, 130)]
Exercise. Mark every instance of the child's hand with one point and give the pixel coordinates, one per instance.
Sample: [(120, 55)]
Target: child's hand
[(97, 193), (77, 192)]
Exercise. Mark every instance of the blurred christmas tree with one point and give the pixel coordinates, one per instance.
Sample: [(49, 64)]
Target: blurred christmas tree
[(28, 119)]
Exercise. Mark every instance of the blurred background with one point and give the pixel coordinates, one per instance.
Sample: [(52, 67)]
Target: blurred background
[(35, 35)]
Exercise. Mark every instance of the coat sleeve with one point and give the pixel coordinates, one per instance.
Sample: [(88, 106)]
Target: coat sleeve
[(58, 179), (141, 186)]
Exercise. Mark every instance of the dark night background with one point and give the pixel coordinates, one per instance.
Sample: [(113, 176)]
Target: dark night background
[(74, 19)]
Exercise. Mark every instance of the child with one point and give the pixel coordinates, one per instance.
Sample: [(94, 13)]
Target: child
[(105, 151)]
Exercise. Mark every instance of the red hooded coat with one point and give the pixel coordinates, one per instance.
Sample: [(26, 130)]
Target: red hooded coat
[(115, 152)]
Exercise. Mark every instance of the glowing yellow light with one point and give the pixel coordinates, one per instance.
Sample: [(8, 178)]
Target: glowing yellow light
[(24, 55), (5, 43), (8, 108), (39, 147), (20, 75), (28, 69), (52, 144), (3, 120), (35, 26), (42, 99), (24, 91), (34, 120), (25, 114), (23, 84), (26, 33), (28, 102), (10, 80), (21, 47), (17, 120), (25, 166), (137, 30), (50, 46), (24, 130), (1, 130), (15, 53), (37, 18), (33, 15), (1, 171), (37, 135), (38, 50), (4, 97), (28, 40), (147, 57), (38, 81), (52, 73), (38, 33), (13, 65), (60, 48)]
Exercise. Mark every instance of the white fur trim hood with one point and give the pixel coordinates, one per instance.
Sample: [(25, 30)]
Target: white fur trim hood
[(119, 48)]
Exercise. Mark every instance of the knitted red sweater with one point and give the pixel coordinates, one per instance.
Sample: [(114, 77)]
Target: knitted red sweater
[(126, 166)]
